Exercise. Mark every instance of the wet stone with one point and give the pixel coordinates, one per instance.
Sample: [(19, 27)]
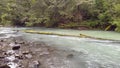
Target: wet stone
[(34, 64), (4, 66), (25, 52), (70, 56), (16, 47), (10, 58), (29, 56), (17, 55), (19, 42), (44, 53), (2, 56), (1, 40), (21, 66), (10, 52), (16, 61), (21, 57), (12, 44)]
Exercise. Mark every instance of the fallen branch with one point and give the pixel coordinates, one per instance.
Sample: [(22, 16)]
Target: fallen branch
[(50, 33)]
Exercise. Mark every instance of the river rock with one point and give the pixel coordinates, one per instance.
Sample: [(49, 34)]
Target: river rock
[(10, 58), (29, 56), (16, 60), (44, 53), (19, 56), (34, 64), (19, 42), (2, 56), (12, 65), (4, 66), (25, 52), (70, 56), (16, 47), (10, 52), (1, 40)]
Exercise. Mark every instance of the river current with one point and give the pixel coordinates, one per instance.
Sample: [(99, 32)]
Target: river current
[(90, 53)]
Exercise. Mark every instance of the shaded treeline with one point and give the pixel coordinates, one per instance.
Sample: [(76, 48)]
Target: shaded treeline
[(95, 14)]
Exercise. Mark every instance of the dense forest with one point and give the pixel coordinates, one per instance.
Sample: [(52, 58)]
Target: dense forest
[(92, 14)]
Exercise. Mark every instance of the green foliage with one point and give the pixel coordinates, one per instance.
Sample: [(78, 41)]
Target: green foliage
[(104, 15), (53, 13), (116, 16), (69, 25), (117, 22), (29, 24), (91, 23)]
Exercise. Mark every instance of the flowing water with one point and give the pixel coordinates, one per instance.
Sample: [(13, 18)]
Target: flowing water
[(91, 53)]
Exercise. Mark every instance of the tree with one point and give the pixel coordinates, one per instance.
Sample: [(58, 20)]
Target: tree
[(116, 16), (54, 10)]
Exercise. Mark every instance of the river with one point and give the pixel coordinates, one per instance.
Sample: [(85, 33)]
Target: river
[(90, 53)]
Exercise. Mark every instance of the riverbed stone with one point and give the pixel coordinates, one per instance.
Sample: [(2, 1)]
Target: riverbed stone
[(9, 52), (16, 47), (21, 57), (2, 56), (19, 42), (70, 56), (34, 64), (4, 66), (26, 55), (29, 56), (1, 40)]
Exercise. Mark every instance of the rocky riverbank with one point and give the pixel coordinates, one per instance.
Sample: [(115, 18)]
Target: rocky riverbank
[(19, 53)]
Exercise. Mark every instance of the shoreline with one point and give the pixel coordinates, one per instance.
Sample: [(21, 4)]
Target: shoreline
[(17, 52), (52, 33)]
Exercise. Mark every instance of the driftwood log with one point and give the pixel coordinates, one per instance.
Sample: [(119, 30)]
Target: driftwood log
[(51, 33)]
